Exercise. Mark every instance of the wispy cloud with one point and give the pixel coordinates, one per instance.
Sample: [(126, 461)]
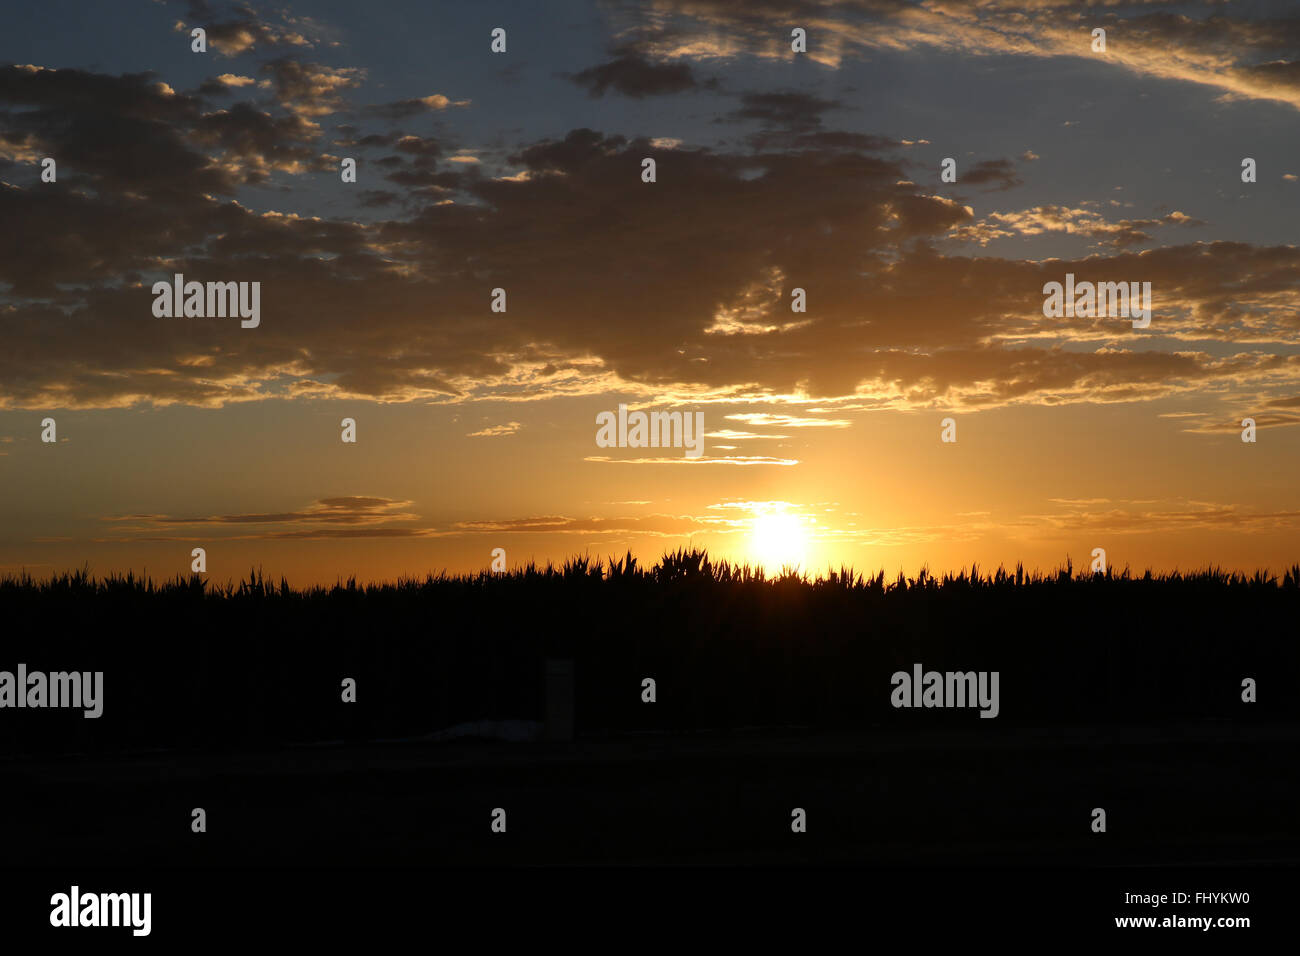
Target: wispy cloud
[(492, 431)]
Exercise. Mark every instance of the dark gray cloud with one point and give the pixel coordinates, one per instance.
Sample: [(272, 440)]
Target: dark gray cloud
[(794, 111), (1001, 173), (633, 75), (792, 120)]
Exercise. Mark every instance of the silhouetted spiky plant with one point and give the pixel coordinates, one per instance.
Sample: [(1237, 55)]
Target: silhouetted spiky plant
[(189, 659)]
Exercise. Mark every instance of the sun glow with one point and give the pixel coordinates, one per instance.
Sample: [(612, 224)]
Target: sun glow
[(779, 539)]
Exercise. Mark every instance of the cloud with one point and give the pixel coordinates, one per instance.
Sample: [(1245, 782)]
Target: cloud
[(789, 421), (743, 460), (1176, 517), (793, 120), (655, 525), (607, 289), (311, 89), (352, 509), (244, 29), (405, 109), (1237, 56), (349, 516), (225, 83), (376, 198), (786, 110), (1001, 172), (1062, 219), (1217, 426), (633, 75), (494, 430), (658, 525), (728, 434)]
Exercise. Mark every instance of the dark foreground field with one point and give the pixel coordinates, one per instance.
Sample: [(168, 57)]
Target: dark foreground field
[(1118, 692), (1186, 794)]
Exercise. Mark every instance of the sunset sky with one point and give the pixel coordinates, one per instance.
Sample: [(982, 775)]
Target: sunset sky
[(522, 170)]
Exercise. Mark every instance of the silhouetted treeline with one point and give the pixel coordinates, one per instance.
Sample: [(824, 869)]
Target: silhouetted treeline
[(192, 664)]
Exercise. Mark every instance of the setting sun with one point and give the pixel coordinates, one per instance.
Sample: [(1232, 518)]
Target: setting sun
[(778, 540)]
